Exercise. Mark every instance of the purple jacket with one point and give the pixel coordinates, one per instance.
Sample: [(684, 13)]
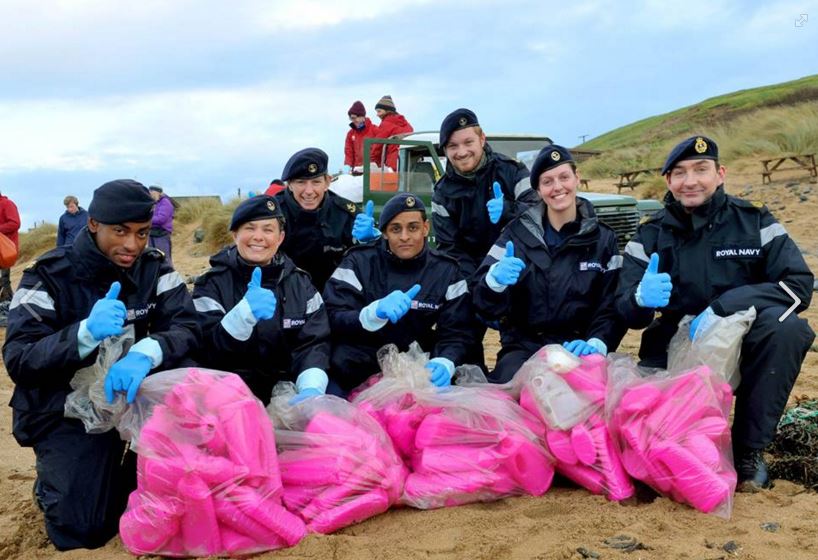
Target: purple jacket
[(163, 214)]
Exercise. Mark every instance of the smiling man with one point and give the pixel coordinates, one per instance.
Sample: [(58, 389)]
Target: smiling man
[(68, 302), (397, 290), (319, 222), (710, 253)]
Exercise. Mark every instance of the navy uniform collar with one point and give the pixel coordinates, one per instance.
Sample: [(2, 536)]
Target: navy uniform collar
[(676, 215)]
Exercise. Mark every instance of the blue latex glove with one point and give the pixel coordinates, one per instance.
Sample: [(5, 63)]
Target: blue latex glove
[(440, 375), (305, 394), (108, 315), (507, 270), (347, 170), (694, 324), (262, 301), (655, 287), (126, 375), (580, 348), (397, 304), (364, 227), (495, 205)]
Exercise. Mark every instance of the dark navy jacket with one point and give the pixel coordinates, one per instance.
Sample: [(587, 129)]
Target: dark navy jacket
[(439, 319), (316, 240), (70, 226), (728, 254), (461, 222), (562, 295), (295, 339), (58, 291)]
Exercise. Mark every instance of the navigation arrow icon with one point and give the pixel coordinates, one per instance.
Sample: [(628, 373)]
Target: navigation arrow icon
[(795, 298)]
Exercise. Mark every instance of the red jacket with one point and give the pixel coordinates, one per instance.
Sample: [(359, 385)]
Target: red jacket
[(392, 123), (9, 219), (354, 145)]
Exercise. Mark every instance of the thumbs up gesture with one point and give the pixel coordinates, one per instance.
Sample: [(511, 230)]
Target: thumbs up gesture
[(655, 288), (397, 304), (495, 205), (364, 230), (507, 270), (107, 316), (262, 301)]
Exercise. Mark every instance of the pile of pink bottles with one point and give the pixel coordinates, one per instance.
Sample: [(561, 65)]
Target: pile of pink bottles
[(460, 444), (338, 466), (674, 433), (568, 395), (208, 481)]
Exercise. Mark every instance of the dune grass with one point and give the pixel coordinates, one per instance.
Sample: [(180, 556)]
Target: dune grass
[(216, 223), (37, 241), (767, 131)]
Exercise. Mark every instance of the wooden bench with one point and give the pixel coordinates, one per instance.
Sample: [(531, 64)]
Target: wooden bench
[(802, 161), (631, 178)]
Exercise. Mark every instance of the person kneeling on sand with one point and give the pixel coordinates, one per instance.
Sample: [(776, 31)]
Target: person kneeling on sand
[(69, 301), (708, 253)]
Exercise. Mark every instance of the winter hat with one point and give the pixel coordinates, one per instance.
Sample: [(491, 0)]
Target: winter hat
[(357, 109), (386, 104)]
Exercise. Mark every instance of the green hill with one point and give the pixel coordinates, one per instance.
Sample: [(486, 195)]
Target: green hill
[(780, 118)]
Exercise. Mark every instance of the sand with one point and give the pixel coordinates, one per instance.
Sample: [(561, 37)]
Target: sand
[(566, 523)]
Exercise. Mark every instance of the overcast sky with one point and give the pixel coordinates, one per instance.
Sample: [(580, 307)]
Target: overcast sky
[(205, 96)]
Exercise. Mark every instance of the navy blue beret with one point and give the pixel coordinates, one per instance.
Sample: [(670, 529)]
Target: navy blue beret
[(454, 121), (550, 156), (305, 164), (121, 201), (695, 147), (403, 202), (261, 207)]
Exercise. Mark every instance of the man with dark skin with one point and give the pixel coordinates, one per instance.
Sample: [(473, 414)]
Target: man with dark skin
[(69, 301)]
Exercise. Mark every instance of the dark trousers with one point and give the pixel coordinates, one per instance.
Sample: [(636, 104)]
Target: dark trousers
[(163, 244), (510, 359), (83, 482), (6, 293), (771, 358)]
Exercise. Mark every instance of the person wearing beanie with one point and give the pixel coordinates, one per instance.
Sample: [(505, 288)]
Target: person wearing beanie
[(319, 222), (360, 127), (162, 225), (262, 317), (397, 290), (392, 124), (71, 222), (480, 192), (550, 276), (710, 254), (71, 300)]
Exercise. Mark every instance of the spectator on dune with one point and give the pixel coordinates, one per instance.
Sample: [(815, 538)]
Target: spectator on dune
[(9, 226), (71, 222), (392, 123), (360, 127), (162, 226)]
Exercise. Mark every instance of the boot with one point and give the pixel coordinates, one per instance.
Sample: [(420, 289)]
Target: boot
[(751, 469)]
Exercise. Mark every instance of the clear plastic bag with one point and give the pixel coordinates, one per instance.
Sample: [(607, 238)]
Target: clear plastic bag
[(461, 444), (568, 395), (87, 401), (673, 432), (338, 466), (208, 481), (717, 344)]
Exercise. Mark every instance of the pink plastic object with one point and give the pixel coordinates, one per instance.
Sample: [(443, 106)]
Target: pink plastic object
[(584, 452), (675, 436), (338, 465), (208, 481)]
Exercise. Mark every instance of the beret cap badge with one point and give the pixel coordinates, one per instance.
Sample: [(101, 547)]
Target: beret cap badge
[(271, 206), (410, 202), (555, 155), (463, 121), (312, 168), (701, 145)]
